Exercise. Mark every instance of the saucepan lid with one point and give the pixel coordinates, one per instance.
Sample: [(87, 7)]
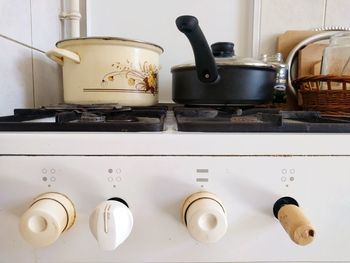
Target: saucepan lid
[(224, 55)]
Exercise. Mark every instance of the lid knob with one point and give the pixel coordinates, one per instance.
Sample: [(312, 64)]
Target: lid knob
[(223, 49)]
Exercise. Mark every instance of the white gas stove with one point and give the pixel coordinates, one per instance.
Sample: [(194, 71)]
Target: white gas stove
[(171, 196)]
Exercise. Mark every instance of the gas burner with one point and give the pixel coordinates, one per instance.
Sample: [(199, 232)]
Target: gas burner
[(92, 118), (232, 119)]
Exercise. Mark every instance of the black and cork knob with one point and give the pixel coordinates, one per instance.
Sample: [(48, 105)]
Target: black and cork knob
[(293, 220)]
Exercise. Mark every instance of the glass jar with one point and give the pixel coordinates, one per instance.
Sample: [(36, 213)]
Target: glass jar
[(280, 87), (336, 57)]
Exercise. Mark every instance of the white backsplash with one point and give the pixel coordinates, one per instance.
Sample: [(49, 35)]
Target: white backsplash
[(337, 13), (278, 16), (29, 79), (46, 26), (16, 77), (47, 81), (15, 19), (46, 31)]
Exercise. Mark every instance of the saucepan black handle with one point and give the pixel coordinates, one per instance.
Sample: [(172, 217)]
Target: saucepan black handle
[(205, 63)]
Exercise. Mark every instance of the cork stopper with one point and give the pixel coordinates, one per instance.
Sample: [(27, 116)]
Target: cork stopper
[(294, 222)]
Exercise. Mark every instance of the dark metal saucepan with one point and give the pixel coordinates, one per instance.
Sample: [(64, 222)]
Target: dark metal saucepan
[(217, 76)]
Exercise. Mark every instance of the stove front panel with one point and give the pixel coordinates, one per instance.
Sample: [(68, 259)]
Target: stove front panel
[(155, 188)]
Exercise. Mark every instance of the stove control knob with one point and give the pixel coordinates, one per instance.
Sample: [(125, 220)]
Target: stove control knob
[(111, 223), (293, 220), (49, 215), (205, 217)]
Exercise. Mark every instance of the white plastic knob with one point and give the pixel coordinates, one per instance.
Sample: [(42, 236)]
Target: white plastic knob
[(49, 215), (205, 217), (111, 224)]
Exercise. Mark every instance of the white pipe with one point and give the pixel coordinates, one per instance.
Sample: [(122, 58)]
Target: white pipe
[(70, 16)]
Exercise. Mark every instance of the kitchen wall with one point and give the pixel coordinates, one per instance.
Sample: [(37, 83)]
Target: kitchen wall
[(29, 79), (277, 16)]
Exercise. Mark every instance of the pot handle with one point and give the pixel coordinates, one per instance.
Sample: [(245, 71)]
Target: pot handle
[(207, 71), (59, 54)]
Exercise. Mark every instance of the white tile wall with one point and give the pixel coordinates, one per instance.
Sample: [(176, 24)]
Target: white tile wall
[(47, 81), (278, 16), (338, 13), (15, 19), (45, 23), (46, 32), (16, 82), (27, 78)]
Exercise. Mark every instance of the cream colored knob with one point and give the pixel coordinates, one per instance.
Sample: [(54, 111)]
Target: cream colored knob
[(49, 215), (205, 217)]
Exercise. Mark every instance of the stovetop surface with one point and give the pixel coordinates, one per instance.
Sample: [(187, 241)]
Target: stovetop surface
[(226, 119), (114, 118), (92, 118)]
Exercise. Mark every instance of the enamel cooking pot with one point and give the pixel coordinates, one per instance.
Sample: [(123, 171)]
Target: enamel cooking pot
[(217, 76), (100, 70)]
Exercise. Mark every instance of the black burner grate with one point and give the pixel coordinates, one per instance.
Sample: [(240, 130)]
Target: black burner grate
[(92, 118), (230, 119)]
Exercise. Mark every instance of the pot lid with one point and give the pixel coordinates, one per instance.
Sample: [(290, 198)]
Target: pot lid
[(103, 39), (224, 55)]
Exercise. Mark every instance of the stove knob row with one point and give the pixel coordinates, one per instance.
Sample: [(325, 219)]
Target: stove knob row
[(111, 222)]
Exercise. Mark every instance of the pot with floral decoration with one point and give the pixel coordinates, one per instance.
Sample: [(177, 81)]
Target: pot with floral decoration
[(108, 70)]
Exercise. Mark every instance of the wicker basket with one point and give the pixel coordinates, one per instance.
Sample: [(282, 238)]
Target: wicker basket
[(325, 93)]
